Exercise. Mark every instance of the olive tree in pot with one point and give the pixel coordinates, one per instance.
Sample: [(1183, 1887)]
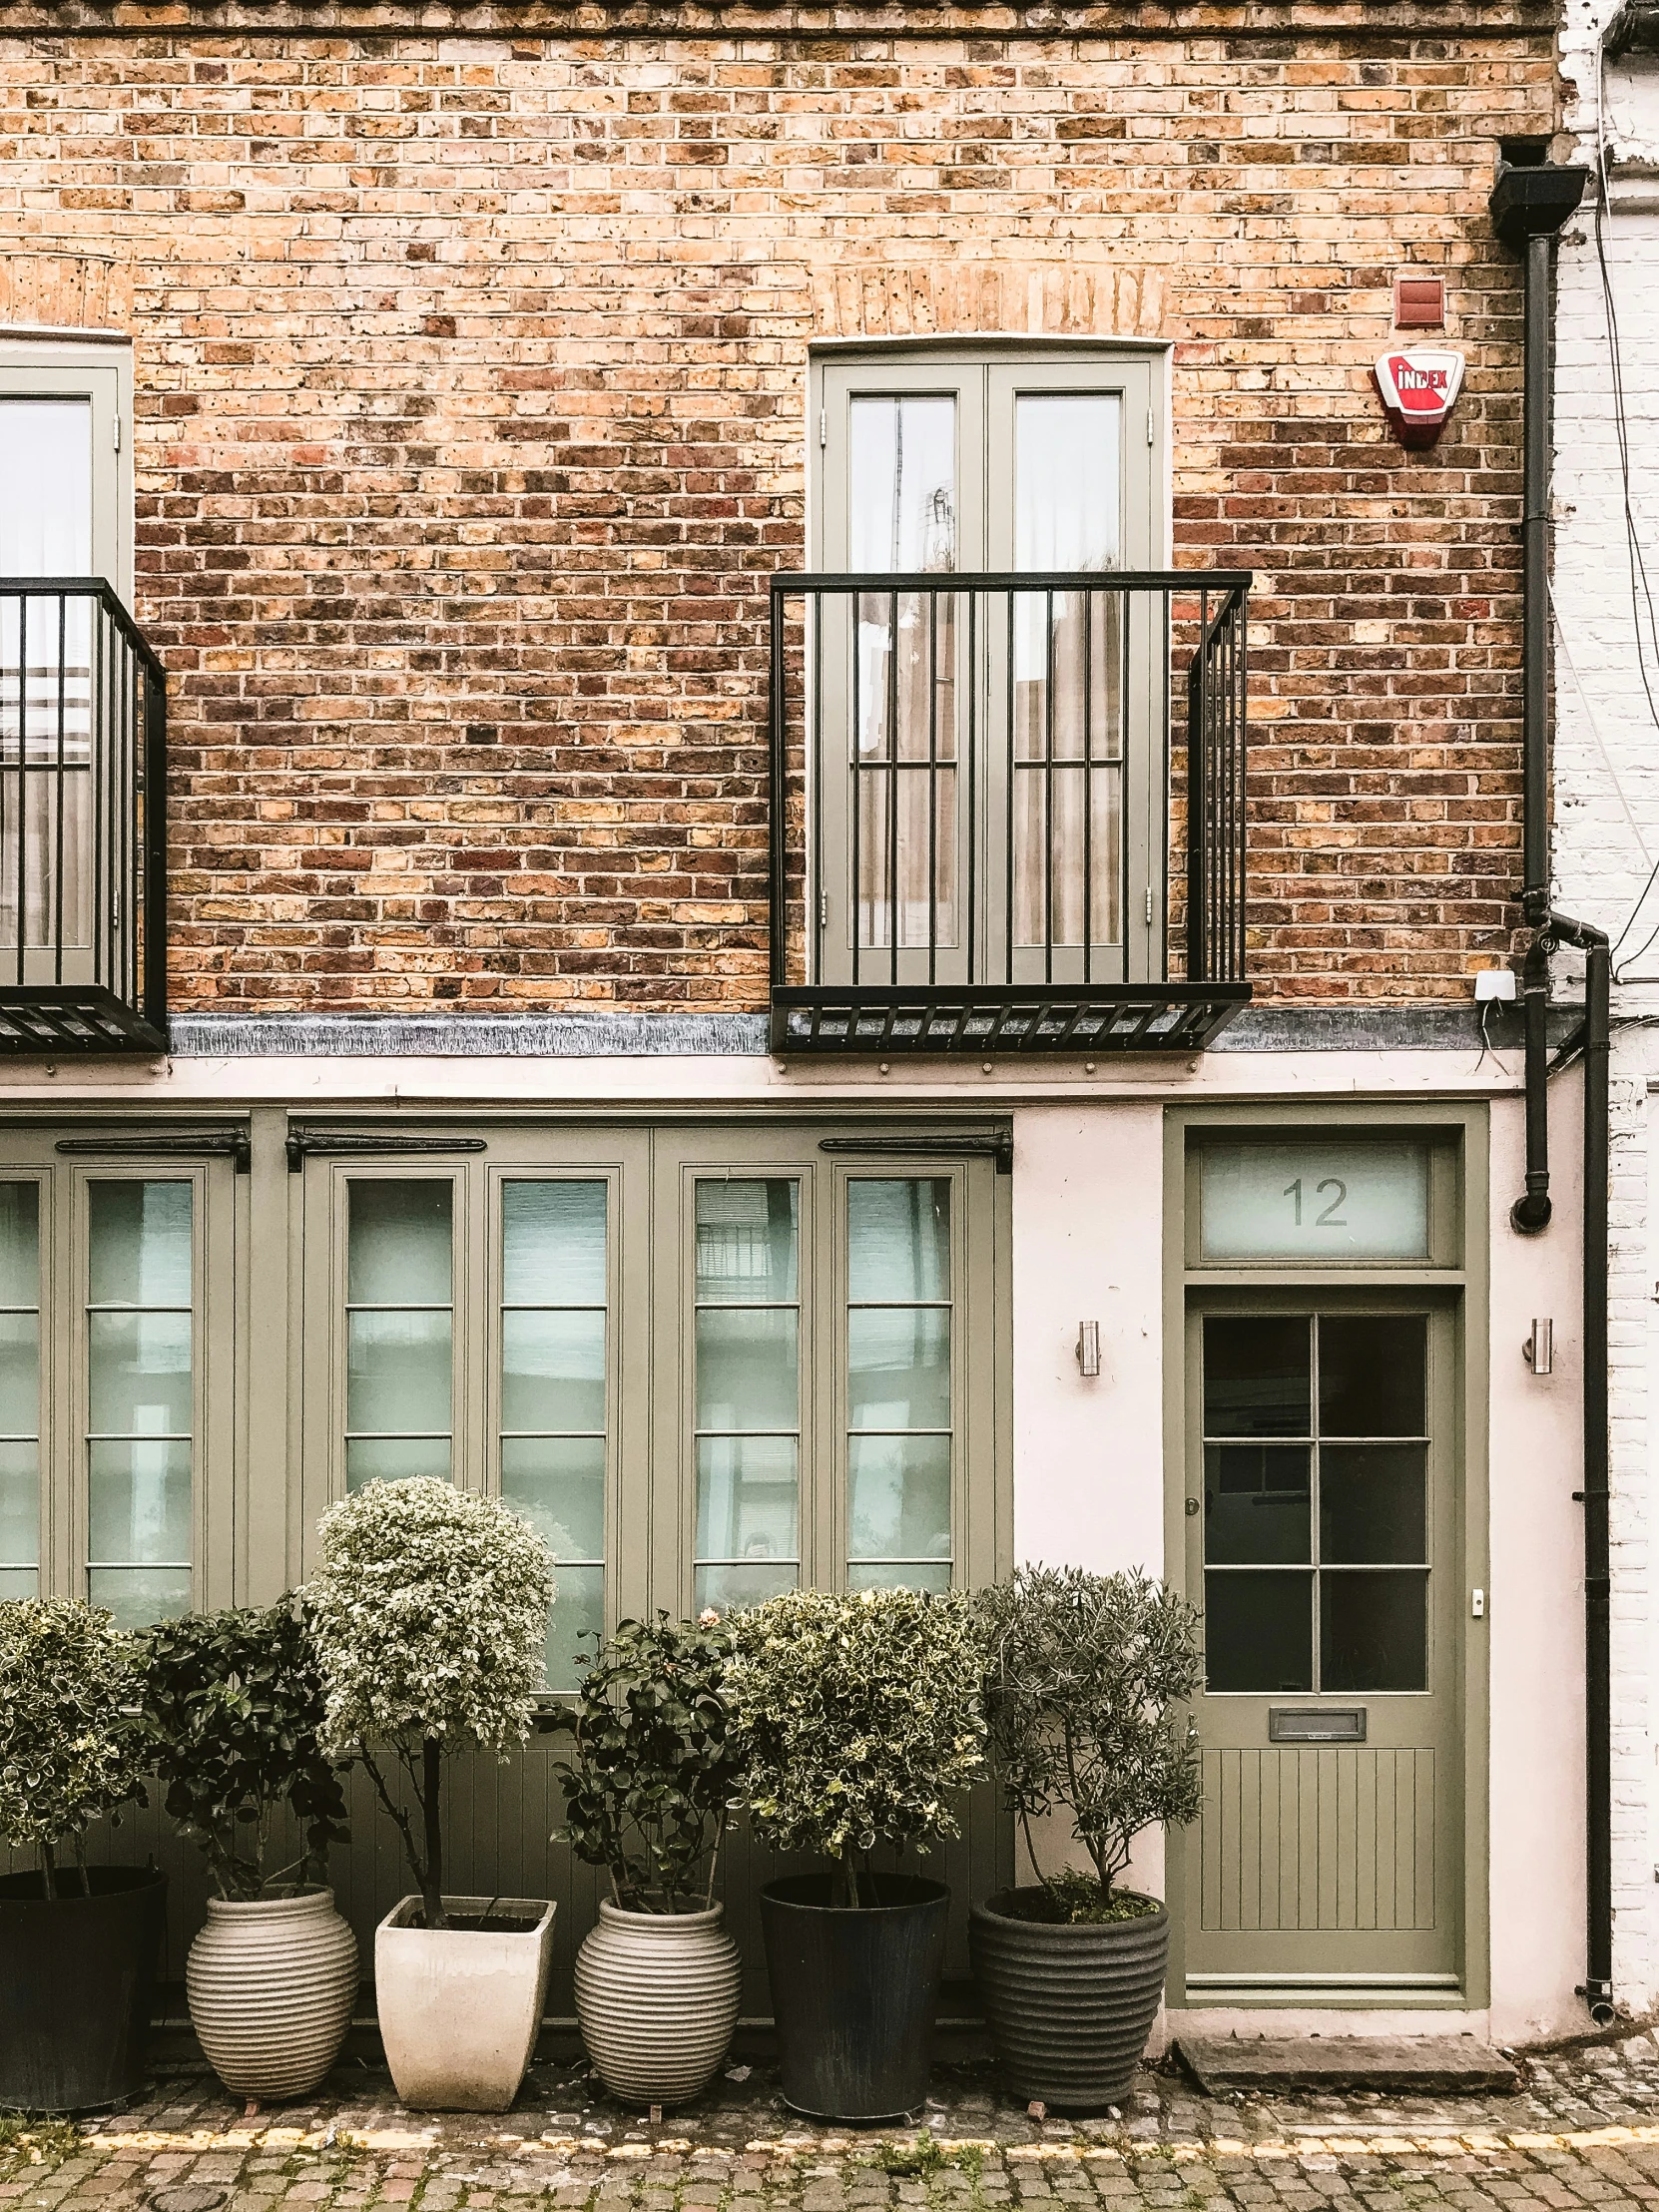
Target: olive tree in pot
[(647, 1790), (232, 1710), (428, 1613), (78, 1941), (1086, 1677), (858, 1717)]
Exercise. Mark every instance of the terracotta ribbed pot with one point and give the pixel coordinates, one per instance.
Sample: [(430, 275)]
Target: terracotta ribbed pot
[(657, 1996), (1069, 2007), (270, 1984)]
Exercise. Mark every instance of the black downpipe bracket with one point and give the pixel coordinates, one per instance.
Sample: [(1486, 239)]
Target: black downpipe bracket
[(1531, 199)]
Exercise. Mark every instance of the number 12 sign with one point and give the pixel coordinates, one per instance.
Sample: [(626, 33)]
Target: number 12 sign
[(1320, 1199)]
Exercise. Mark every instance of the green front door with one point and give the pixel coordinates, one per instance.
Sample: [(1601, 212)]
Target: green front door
[(1322, 1517)]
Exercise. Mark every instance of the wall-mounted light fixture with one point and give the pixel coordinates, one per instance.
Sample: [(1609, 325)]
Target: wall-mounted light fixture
[(1538, 1349), (1088, 1348)]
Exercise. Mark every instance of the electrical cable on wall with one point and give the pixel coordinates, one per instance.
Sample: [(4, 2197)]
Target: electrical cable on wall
[(1640, 591)]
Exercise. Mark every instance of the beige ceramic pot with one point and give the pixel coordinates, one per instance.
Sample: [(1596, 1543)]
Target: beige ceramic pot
[(657, 1996), (270, 1985), (460, 2008)]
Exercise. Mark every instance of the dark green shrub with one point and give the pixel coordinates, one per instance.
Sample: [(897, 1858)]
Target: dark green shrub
[(232, 1706), (651, 1772)]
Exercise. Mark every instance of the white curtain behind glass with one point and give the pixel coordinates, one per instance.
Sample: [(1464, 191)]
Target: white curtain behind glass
[(1068, 503), (45, 530)]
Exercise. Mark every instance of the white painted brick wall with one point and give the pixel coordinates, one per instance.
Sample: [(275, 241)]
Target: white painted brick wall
[(1606, 842)]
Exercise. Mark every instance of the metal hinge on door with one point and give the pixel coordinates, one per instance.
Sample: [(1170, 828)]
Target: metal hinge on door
[(1149, 914), (824, 426), (115, 428), (824, 910)]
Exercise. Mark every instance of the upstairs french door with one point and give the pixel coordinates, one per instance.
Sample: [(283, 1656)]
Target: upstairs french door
[(987, 797)]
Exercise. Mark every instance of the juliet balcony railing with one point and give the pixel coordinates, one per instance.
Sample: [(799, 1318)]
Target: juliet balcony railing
[(83, 734), (1009, 810)]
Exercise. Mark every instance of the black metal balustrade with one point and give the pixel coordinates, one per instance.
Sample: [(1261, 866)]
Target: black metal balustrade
[(83, 736), (1002, 805)]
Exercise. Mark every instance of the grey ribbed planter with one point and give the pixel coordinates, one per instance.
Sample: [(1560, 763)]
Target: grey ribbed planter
[(657, 1996), (270, 1984), (1069, 2008)]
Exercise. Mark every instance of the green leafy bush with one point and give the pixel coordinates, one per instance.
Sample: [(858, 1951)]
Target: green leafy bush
[(859, 1719), (232, 1708), (428, 1615), (649, 1782), (69, 1749), (1086, 1678)]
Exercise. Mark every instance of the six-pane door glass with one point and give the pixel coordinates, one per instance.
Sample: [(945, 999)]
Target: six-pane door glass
[(1316, 1502)]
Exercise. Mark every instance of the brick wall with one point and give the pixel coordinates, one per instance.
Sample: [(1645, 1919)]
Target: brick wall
[(471, 423)]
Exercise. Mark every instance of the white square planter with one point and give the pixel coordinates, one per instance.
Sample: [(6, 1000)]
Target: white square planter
[(459, 2008)]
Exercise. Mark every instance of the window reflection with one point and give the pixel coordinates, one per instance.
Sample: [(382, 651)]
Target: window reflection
[(746, 1362), (140, 1398), (899, 1400)]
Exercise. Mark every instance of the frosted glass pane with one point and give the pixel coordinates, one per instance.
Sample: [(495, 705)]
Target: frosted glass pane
[(898, 1367), (19, 1243), (1315, 1200), (911, 1574), (139, 1236), (899, 1238), (747, 1368), (141, 1384), (18, 1582), (747, 1498), (18, 1375), (397, 1372), (903, 483), (553, 1369), (140, 1501), (46, 467), (578, 1615), (558, 1484), (553, 1244), (728, 1589), (138, 1596), (395, 1460), (1067, 499), (747, 1237), (19, 1503), (899, 1497), (398, 1249)]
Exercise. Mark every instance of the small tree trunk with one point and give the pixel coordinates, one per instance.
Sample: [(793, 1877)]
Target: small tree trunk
[(49, 1872), (432, 1813)]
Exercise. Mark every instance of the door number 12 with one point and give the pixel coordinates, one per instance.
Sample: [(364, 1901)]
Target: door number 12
[(1331, 1218)]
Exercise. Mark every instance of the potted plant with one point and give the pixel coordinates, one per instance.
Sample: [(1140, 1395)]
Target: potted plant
[(233, 1707), (647, 1790), (858, 1717), (1086, 1677), (78, 1941), (429, 1614)]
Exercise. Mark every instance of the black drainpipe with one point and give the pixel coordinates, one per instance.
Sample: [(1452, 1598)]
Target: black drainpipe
[(1531, 199)]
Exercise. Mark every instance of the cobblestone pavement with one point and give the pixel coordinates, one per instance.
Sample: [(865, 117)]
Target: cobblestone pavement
[(1584, 2130)]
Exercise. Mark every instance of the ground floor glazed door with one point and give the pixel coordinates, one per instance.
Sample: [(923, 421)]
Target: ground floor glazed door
[(1322, 1516)]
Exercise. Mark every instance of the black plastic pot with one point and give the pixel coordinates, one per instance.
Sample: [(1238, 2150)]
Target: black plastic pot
[(1069, 2007), (77, 1977), (853, 1993)]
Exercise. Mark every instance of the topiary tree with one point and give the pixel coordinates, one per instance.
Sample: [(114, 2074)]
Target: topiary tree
[(858, 1714), (233, 1709), (70, 1751), (650, 1780), (1085, 1677), (428, 1615)]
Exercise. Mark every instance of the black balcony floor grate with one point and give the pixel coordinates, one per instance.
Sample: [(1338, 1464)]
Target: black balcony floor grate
[(1075, 1018), (71, 1018)]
